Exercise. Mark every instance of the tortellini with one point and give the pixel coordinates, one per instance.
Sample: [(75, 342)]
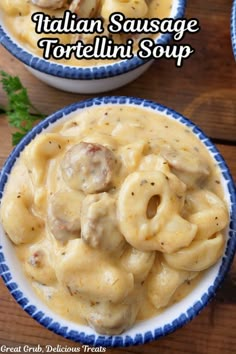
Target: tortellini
[(12, 7), (199, 256), (48, 146), (138, 263), (39, 263), (163, 281), (110, 226), (166, 231), (105, 282), (130, 8), (206, 210), (131, 155), (19, 222)]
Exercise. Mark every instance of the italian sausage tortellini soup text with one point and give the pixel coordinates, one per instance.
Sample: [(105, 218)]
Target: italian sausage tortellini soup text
[(116, 223), (18, 14)]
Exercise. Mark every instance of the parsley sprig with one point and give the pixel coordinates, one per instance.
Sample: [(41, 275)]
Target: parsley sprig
[(21, 113)]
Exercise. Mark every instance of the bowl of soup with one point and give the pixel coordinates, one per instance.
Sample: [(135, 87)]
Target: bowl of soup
[(74, 72), (116, 221)]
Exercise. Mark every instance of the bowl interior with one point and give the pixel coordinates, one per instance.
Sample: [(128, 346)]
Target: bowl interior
[(173, 317)]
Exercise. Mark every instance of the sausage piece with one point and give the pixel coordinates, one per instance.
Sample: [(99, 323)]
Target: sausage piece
[(88, 167), (84, 8), (188, 166), (108, 318), (64, 215), (99, 227), (49, 4)]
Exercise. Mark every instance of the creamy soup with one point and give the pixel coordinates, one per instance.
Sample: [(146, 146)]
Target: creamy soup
[(112, 224), (17, 17)]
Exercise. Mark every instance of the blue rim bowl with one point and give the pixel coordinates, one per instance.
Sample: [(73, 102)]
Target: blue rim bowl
[(233, 28), (173, 317), (76, 72)]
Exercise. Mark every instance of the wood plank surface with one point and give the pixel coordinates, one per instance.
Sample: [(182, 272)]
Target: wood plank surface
[(204, 89)]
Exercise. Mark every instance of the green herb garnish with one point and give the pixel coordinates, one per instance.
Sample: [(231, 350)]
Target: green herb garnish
[(20, 112)]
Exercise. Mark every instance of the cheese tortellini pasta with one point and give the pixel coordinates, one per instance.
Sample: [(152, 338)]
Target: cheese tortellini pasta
[(130, 8), (111, 225)]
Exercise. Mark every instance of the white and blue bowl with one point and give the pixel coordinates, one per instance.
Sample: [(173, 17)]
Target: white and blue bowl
[(233, 28), (170, 319), (90, 79)]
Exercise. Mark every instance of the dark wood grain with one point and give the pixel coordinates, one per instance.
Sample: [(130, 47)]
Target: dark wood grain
[(204, 89)]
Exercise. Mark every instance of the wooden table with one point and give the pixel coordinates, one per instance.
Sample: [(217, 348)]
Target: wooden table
[(204, 89)]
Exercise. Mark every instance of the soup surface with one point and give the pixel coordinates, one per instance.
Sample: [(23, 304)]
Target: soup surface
[(114, 213), (17, 17)]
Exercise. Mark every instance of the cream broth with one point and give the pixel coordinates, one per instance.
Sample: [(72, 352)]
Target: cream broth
[(113, 224), (17, 17)]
